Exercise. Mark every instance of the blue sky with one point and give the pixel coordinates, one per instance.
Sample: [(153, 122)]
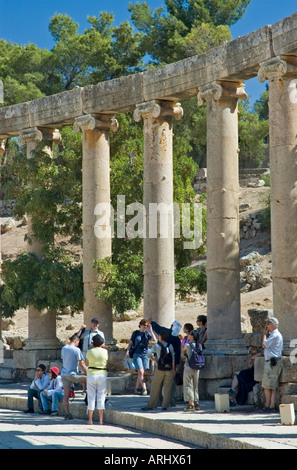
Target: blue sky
[(24, 21)]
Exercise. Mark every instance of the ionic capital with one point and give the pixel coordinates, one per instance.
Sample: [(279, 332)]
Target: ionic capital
[(224, 90), (157, 109), (271, 69), (90, 122), (36, 134), (30, 135)]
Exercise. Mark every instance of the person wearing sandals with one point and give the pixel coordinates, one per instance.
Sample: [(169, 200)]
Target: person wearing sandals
[(96, 362), (140, 340)]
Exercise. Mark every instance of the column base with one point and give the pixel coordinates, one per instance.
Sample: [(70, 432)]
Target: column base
[(111, 344), (42, 344), (222, 347)]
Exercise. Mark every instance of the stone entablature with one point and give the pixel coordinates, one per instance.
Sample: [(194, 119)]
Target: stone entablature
[(235, 61)]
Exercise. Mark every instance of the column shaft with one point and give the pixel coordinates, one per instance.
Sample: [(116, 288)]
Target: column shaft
[(41, 325), (223, 274), (96, 190), (158, 244), (282, 75)]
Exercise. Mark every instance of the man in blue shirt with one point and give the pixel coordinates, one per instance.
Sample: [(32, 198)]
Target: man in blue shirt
[(41, 382), (72, 359)]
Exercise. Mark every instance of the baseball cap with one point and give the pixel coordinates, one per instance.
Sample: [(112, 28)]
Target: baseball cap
[(272, 320)]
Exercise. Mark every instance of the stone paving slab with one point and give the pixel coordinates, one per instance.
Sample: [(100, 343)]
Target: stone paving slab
[(241, 428)]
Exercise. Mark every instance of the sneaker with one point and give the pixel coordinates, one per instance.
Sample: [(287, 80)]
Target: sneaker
[(45, 412), (146, 408), (68, 416), (232, 392), (189, 408), (54, 413), (29, 410), (232, 403), (137, 391), (196, 406), (144, 391)]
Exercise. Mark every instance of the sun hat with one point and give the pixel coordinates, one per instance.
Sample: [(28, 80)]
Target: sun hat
[(55, 370)]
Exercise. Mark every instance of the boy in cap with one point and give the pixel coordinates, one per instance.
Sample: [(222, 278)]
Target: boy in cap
[(54, 393), (39, 383), (273, 347)]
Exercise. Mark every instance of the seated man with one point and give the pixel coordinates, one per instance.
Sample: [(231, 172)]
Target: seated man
[(41, 382), (54, 393)]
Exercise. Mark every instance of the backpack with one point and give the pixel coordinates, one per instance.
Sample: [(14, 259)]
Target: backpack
[(197, 360), (135, 343), (165, 360)]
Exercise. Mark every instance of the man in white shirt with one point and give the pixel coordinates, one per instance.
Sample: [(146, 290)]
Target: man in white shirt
[(41, 382), (273, 347), (87, 335)]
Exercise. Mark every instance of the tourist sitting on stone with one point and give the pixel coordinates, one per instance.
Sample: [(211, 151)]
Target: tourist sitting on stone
[(72, 360), (41, 382), (53, 394), (243, 382)]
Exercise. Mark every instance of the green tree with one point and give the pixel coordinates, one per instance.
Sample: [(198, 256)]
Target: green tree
[(253, 133), (185, 28)]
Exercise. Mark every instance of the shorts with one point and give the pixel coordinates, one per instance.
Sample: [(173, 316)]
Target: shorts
[(68, 380), (271, 375), (141, 361)]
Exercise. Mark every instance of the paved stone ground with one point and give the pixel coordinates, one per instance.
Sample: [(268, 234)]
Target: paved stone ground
[(23, 431), (241, 428)]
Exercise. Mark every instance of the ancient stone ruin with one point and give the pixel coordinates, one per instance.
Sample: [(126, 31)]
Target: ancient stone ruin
[(217, 79)]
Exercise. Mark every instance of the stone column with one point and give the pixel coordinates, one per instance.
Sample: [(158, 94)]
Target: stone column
[(41, 325), (223, 272), (158, 244), (282, 75), (96, 190)]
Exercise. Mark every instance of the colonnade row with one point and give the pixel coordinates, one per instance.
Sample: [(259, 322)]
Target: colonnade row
[(223, 273)]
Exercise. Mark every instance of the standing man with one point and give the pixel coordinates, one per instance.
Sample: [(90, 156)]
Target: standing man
[(87, 335), (273, 347), (41, 382), (72, 359), (162, 355)]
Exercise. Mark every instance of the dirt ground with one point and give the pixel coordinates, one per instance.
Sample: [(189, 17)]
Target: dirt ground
[(12, 244)]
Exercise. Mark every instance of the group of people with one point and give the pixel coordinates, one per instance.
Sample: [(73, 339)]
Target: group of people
[(171, 354), (179, 371), (85, 362), (85, 365)]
